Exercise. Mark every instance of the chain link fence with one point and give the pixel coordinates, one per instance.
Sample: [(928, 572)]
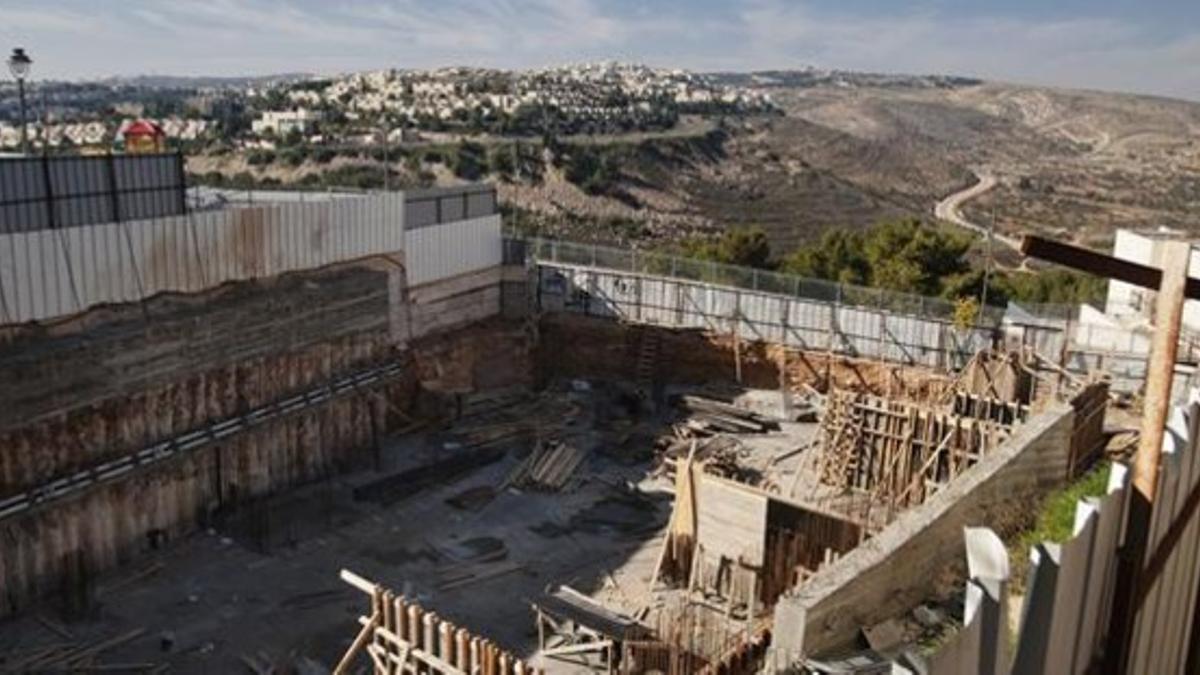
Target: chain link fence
[(748, 278)]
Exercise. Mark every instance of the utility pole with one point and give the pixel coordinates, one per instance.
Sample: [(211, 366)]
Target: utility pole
[(987, 267)]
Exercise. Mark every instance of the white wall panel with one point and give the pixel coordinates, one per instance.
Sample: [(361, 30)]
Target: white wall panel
[(50, 273), (450, 249)]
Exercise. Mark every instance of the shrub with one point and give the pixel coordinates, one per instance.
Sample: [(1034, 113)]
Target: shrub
[(260, 157)]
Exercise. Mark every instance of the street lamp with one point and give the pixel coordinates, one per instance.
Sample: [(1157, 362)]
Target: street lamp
[(18, 64)]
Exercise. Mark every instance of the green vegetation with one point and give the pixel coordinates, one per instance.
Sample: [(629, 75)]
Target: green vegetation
[(469, 161), (1055, 517), (746, 246), (1056, 286), (908, 256), (260, 157), (594, 170), (904, 255)]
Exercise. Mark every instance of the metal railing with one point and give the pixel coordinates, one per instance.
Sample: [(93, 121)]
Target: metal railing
[(749, 278)]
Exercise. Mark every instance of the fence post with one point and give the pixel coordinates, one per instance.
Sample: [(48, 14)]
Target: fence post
[(51, 216), (1160, 371), (674, 267), (754, 278), (113, 195)]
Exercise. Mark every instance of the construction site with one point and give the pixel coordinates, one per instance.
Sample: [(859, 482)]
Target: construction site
[(370, 434)]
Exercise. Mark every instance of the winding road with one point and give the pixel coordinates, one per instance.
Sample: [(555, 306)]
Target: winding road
[(948, 209)]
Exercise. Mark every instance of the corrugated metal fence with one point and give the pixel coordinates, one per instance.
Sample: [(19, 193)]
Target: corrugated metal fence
[(1070, 586), (854, 330), (63, 191), (54, 272)]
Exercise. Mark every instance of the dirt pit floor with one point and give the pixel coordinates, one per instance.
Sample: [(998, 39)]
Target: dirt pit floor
[(264, 586)]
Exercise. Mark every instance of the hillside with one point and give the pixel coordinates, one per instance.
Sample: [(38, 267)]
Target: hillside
[(840, 151)]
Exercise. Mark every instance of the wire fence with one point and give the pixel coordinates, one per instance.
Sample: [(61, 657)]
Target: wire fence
[(748, 278)]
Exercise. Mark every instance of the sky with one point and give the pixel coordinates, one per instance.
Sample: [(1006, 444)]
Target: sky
[(1147, 46)]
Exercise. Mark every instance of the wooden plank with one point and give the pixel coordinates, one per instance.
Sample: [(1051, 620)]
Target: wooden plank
[(1086, 260)]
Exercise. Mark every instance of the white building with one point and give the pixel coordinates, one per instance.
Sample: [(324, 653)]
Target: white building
[(283, 122), (1132, 305)]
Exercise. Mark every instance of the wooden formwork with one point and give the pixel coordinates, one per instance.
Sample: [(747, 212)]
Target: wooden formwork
[(900, 452), (401, 637)]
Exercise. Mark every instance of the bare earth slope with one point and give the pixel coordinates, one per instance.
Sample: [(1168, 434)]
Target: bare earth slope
[(1075, 164), (1071, 163)]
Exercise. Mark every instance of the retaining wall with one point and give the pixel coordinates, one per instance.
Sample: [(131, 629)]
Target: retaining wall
[(894, 571), (114, 383)]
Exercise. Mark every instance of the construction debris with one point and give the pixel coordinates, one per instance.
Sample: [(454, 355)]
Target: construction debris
[(473, 499), (550, 466), (71, 657), (711, 416)]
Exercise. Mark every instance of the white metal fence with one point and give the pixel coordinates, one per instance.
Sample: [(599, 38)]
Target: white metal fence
[(1070, 588), (50, 273), (862, 331), (746, 278)]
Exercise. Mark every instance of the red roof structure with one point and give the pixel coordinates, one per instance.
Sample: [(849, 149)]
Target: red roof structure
[(144, 136)]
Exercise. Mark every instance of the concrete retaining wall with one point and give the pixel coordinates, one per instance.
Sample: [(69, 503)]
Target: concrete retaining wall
[(897, 569)]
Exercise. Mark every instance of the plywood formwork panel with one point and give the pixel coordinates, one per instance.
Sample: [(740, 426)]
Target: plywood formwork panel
[(731, 520)]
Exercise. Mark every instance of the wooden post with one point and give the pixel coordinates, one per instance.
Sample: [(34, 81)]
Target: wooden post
[(737, 342), (1156, 405), (462, 657), (446, 650), (429, 641)]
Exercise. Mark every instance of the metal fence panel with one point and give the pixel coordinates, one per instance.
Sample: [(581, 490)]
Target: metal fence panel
[(434, 206), (48, 273), (66, 191)]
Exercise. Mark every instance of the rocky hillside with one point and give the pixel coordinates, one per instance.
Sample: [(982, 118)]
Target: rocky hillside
[(842, 153)]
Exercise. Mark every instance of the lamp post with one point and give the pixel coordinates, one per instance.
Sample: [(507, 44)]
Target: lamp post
[(18, 64)]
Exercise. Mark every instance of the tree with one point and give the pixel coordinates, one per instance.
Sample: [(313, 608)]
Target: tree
[(468, 162), (500, 160), (746, 246), (902, 255), (837, 256)]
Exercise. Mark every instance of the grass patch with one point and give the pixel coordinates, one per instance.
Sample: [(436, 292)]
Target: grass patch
[(1056, 518)]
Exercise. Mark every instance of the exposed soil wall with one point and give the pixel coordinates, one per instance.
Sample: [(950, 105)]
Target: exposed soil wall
[(114, 381), (580, 346)]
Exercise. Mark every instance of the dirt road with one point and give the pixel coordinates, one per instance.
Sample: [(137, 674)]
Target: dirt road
[(948, 209)]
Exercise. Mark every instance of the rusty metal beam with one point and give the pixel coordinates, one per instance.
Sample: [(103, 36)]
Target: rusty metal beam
[(1099, 264)]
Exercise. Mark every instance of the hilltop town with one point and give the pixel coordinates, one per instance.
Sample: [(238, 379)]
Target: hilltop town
[(600, 98)]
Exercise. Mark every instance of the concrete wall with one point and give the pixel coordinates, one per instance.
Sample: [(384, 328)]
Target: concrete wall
[(456, 301), (900, 566)]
